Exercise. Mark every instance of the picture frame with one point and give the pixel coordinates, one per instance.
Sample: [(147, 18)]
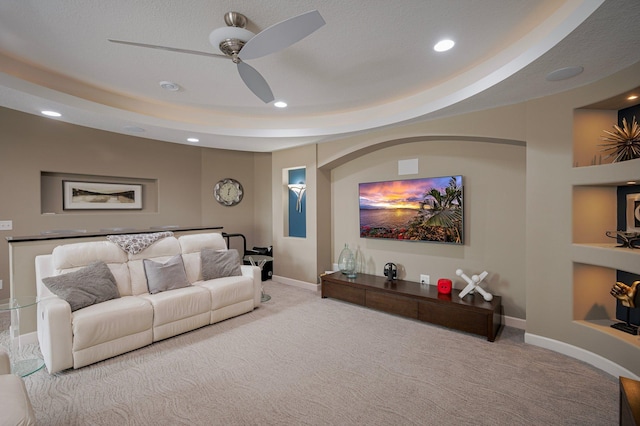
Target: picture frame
[(101, 196), (633, 213), (429, 209)]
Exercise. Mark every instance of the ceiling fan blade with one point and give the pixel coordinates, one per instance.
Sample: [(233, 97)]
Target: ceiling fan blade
[(282, 35), (255, 82), (170, 49)]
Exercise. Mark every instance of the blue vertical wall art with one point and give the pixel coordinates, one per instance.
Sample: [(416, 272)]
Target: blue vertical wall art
[(297, 203)]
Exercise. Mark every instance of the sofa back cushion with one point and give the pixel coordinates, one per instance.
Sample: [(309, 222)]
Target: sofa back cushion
[(192, 245), (72, 257), (160, 251)]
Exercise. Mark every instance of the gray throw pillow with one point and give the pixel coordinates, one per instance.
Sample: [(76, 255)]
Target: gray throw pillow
[(165, 276), (220, 263), (87, 286)]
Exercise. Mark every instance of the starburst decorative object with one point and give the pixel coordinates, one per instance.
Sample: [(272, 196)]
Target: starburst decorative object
[(624, 142)]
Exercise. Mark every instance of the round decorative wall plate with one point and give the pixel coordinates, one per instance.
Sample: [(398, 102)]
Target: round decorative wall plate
[(228, 192)]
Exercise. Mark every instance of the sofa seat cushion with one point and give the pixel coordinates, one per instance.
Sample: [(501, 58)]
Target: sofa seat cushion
[(174, 305), (110, 320), (229, 290)]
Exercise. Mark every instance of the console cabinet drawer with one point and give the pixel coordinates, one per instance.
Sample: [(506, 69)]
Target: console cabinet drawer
[(392, 304), (346, 293), (454, 317)]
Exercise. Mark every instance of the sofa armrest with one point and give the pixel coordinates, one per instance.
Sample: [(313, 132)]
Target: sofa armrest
[(55, 333), (255, 273)]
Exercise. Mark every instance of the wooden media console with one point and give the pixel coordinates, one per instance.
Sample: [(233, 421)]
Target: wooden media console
[(423, 302)]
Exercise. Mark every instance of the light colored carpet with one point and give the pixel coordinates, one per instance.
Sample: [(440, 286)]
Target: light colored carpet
[(303, 360)]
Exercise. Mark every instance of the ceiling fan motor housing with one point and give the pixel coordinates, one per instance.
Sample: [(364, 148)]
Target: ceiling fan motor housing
[(230, 39)]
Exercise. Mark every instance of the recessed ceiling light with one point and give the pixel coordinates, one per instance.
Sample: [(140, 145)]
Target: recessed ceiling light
[(194, 140), (170, 86), (51, 113), (631, 182), (280, 104), (444, 45), (564, 73), (632, 97)]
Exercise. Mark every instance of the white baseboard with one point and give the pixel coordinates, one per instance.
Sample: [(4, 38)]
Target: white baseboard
[(296, 283), (578, 353), (28, 338), (518, 323)]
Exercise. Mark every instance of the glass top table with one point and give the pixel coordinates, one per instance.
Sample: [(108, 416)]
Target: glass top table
[(17, 303), (259, 260), (20, 367)]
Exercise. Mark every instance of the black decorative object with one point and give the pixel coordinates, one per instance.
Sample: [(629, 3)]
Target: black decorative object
[(390, 271), (627, 327), (628, 239)]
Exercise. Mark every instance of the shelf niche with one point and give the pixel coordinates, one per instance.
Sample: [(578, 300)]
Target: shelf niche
[(599, 205)]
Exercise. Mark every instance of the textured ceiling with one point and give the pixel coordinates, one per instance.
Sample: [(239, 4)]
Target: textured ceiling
[(371, 65)]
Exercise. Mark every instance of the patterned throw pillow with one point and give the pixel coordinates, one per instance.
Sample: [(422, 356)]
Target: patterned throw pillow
[(135, 243)]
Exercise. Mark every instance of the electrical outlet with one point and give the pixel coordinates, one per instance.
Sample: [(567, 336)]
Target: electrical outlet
[(424, 279), (0, 284), (6, 225)]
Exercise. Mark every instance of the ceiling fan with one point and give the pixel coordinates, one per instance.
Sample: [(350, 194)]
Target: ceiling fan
[(240, 44)]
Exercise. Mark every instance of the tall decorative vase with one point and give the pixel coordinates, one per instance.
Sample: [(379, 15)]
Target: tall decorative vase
[(347, 262)]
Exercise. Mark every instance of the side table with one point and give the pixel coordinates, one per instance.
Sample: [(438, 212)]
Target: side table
[(259, 260), (20, 367)]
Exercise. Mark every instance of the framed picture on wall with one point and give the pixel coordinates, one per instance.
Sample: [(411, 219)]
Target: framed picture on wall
[(100, 196), (633, 212)]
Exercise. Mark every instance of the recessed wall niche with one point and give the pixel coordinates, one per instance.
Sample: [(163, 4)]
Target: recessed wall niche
[(295, 217), (51, 192)]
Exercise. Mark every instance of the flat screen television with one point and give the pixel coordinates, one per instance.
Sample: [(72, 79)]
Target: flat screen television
[(425, 209)]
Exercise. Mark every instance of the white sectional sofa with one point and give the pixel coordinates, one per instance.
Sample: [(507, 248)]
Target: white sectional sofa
[(15, 405), (140, 314)]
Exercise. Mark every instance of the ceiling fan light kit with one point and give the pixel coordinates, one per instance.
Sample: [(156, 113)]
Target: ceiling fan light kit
[(240, 44), (230, 39)]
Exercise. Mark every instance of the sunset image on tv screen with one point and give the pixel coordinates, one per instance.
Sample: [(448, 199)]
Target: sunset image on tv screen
[(427, 209)]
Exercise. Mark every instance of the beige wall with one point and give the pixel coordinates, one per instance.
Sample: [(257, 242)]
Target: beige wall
[(550, 193), (185, 178), (300, 259), (494, 222)]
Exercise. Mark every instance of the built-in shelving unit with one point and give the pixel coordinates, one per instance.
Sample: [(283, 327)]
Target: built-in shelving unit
[(597, 257)]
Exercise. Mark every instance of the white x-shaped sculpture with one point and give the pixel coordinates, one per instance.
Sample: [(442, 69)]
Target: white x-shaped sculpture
[(474, 284)]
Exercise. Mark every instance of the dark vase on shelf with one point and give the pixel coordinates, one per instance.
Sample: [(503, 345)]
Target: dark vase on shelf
[(347, 262)]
